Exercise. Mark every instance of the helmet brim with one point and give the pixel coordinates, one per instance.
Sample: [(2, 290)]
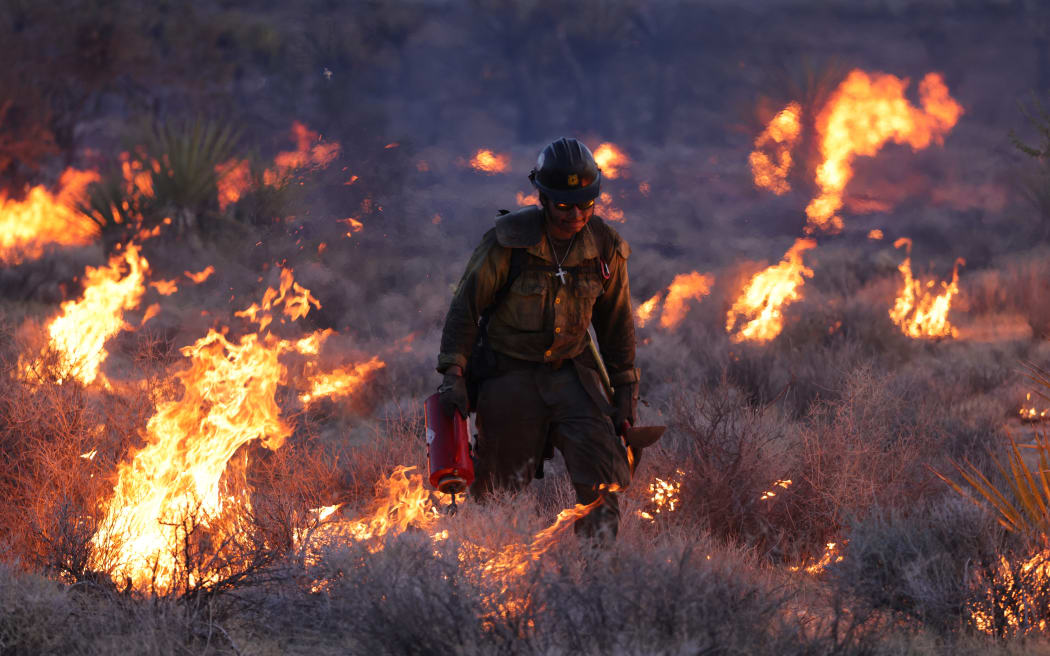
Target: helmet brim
[(579, 195)]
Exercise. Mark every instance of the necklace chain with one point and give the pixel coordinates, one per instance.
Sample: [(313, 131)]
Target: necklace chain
[(554, 251)]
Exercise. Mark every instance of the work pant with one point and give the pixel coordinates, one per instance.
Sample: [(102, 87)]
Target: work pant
[(520, 409)]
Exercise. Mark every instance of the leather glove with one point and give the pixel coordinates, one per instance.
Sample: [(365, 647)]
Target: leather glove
[(625, 398), (453, 391)]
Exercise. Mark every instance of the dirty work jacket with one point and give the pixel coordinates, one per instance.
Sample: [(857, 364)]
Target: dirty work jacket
[(541, 319)]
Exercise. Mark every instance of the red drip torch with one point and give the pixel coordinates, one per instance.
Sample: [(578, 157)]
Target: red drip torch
[(448, 450)]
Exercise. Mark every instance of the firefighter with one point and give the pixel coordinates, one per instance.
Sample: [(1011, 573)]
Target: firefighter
[(516, 335)]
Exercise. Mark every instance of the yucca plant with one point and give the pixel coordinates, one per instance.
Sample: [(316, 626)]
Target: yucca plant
[(1022, 502), (184, 157)]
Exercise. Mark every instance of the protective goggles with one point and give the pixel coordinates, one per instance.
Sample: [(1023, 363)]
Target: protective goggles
[(585, 205)]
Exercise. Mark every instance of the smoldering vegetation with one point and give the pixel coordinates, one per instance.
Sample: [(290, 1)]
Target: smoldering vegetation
[(834, 432)]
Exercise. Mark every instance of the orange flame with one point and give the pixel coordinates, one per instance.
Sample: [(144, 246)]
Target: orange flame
[(1030, 413), (611, 160), (875, 235), (228, 400), (165, 287), (766, 294), (311, 153), (919, 312), (831, 555), (663, 497), (685, 286), (865, 112), (769, 494), (645, 310), (200, 276), (780, 135), (340, 382), (530, 199), (235, 179), (489, 162), (42, 218), (79, 333)]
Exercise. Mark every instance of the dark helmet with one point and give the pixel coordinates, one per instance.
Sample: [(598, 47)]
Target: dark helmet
[(567, 173)]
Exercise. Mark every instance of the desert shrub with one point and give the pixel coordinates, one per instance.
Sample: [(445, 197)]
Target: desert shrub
[(924, 565), (38, 616), (730, 454)]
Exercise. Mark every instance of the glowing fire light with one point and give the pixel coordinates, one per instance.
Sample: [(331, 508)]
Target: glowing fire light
[(779, 136), (311, 152), (340, 382), (527, 199), (43, 218), (831, 554), (79, 333), (1036, 567), (489, 162), (875, 235), (663, 497), (228, 400), (769, 494), (918, 311), (611, 160), (645, 311), (761, 303), (685, 286), (200, 276), (865, 112), (234, 180), (1030, 413)]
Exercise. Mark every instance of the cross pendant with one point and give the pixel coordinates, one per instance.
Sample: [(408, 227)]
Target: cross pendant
[(561, 274)]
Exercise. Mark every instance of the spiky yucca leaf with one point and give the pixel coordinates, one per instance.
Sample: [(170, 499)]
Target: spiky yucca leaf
[(184, 158), (1023, 505)]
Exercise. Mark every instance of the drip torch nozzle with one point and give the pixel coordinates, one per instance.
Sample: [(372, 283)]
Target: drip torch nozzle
[(452, 507)]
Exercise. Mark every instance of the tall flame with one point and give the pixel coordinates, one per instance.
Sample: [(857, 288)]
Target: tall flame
[(864, 113), (759, 306), (43, 218), (79, 333), (228, 400), (770, 172), (918, 311)]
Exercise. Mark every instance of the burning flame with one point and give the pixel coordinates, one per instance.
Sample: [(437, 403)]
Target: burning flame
[(769, 494), (864, 113), (42, 218), (1030, 413), (759, 306), (875, 235), (342, 381), (1037, 567), (663, 497), (489, 162), (200, 276), (610, 160), (234, 180), (180, 476), (918, 311), (684, 287), (770, 172), (831, 554), (79, 333), (311, 152)]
